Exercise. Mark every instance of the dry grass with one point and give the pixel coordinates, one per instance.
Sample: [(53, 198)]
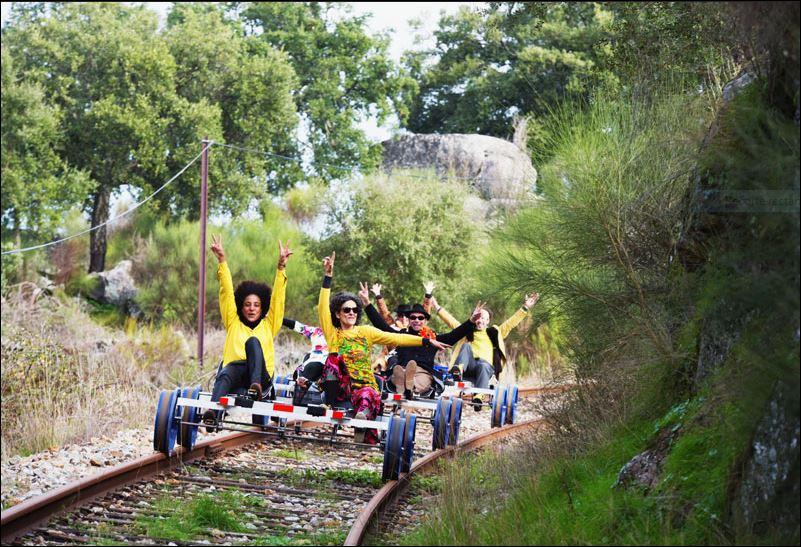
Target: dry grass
[(66, 379)]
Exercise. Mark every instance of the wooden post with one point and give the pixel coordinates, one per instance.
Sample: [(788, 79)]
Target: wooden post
[(201, 289)]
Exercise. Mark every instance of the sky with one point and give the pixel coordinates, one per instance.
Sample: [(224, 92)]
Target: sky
[(392, 16)]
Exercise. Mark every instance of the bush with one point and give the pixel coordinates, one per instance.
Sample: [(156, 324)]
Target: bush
[(167, 271), (401, 230), (598, 246)]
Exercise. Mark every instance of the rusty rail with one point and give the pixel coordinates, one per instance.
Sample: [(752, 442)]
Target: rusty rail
[(394, 488), (23, 517)]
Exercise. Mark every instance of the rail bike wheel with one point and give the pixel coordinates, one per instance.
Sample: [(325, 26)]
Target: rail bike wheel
[(408, 443), (511, 404), (188, 433), (156, 420), (498, 407), (454, 421), (393, 449), (441, 415), (166, 427)]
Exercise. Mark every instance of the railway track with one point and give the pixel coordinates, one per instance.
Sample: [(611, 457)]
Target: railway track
[(219, 493)]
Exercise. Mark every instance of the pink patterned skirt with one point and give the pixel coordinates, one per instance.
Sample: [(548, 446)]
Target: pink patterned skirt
[(364, 399)]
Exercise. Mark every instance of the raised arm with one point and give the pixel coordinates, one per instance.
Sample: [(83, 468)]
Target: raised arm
[(299, 327), (381, 304), (372, 314), (464, 329), (275, 316), (323, 306), (450, 320), (528, 302), (428, 286), (227, 302)]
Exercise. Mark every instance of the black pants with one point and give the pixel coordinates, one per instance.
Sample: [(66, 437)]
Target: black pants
[(476, 370), (237, 376)]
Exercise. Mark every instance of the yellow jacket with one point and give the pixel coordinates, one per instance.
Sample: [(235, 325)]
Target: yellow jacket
[(495, 333), (355, 345), (237, 333)]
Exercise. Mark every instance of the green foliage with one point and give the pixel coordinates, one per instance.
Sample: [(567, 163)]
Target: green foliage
[(574, 495), (167, 271), (511, 58), (38, 186), (192, 519), (655, 41), (305, 203), (741, 299), (598, 245), (355, 477), (401, 231), (355, 78), (291, 454), (132, 115)]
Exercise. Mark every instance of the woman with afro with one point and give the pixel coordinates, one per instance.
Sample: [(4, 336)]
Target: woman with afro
[(252, 316)]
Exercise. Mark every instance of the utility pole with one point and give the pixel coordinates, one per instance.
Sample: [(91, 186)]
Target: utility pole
[(201, 286)]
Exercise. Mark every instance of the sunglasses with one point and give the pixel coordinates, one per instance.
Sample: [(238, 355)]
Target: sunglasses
[(417, 317), (346, 309)]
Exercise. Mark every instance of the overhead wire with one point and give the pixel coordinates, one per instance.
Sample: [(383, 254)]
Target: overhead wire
[(109, 221)]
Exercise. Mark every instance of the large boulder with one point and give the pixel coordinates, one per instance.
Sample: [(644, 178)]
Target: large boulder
[(117, 287), (497, 169)]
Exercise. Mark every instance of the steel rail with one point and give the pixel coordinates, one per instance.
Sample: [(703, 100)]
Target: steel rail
[(391, 489), (27, 515)]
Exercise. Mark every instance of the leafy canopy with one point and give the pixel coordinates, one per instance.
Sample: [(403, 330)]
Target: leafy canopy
[(510, 58), (345, 76)]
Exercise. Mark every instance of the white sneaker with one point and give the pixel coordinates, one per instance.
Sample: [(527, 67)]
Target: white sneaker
[(358, 432)]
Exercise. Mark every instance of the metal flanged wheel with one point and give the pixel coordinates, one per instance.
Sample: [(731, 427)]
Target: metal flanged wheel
[(511, 404), (441, 422), (408, 443), (454, 421), (188, 433), (166, 426), (393, 449), (498, 407)]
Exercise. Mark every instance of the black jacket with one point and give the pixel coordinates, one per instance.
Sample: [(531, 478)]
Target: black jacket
[(423, 355)]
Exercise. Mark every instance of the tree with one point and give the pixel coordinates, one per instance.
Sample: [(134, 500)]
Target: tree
[(511, 58), (652, 42), (402, 230), (132, 115), (250, 85), (38, 187), (345, 76)]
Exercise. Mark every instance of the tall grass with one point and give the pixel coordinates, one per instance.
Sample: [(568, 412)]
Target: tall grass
[(599, 247), (641, 275), (67, 379)]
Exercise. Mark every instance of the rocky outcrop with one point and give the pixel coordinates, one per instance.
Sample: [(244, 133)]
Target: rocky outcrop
[(499, 170), (644, 469), (767, 496), (117, 287)]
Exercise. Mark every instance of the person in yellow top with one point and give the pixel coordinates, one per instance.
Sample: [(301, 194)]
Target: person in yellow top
[(482, 353), (348, 372), (252, 315)]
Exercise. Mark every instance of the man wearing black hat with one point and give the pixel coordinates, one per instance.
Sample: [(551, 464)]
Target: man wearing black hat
[(414, 370)]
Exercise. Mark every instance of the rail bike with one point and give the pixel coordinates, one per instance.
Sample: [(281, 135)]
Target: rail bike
[(445, 402), (178, 417), (280, 413)]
